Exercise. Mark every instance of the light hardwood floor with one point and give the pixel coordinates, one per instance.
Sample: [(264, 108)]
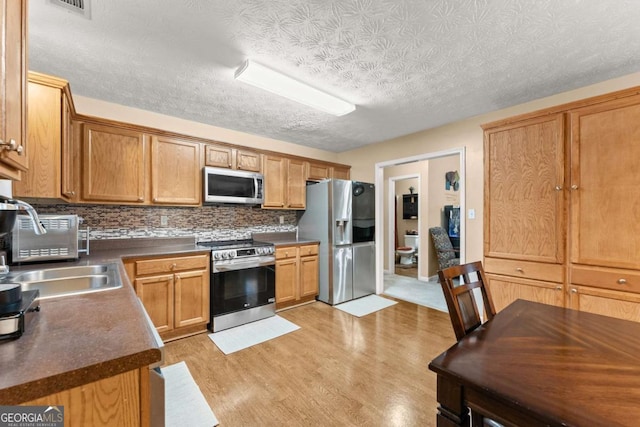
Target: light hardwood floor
[(337, 370)]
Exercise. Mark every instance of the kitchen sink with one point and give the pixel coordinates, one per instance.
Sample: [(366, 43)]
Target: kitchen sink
[(64, 281)]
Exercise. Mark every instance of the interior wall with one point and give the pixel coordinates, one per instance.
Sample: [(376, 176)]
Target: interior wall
[(439, 196), (466, 133), (117, 112), (402, 188)]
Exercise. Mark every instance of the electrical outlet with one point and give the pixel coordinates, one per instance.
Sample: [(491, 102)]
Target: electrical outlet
[(472, 214), (164, 220), (281, 219)]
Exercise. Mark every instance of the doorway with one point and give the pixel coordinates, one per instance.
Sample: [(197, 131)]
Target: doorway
[(403, 209), (385, 249)]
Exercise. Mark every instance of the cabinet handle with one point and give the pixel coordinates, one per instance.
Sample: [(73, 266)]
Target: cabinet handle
[(519, 270), (574, 187), (558, 288), (622, 281), (12, 145), (141, 199), (558, 188), (69, 193), (155, 200), (574, 291), (173, 266)]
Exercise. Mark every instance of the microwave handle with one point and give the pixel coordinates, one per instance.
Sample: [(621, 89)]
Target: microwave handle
[(256, 189)]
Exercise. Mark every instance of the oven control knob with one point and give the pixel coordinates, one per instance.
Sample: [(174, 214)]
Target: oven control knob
[(216, 256), (231, 254)]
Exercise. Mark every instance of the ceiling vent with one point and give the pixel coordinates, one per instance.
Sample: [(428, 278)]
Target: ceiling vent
[(81, 7)]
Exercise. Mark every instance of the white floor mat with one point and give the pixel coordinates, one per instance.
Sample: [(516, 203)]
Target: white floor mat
[(365, 305), (184, 403), (428, 294), (243, 336)]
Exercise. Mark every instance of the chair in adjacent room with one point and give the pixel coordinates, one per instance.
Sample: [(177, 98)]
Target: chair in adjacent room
[(447, 255), (463, 309)]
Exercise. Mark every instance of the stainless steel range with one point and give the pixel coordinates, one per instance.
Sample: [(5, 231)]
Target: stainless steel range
[(243, 282)]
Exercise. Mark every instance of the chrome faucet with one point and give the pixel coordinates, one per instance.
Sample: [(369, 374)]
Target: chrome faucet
[(38, 228)]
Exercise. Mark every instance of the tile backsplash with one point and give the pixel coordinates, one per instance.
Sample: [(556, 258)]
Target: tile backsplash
[(209, 222)]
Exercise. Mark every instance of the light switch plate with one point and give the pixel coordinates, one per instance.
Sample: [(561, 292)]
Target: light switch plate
[(472, 214)]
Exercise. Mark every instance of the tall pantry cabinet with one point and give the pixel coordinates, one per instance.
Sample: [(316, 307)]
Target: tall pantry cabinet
[(562, 206)]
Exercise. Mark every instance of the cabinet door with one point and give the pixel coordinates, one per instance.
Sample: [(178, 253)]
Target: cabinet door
[(318, 171), (296, 184), (156, 294), (13, 79), (340, 172), (275, 175), (286, 280), (309, 273), (175, 171), (218, 156), (70, 165), (622, 305), (505, 290), (43, 137), (113, 166), (248, 161), (605, 178), (191, 298), (524, 197)]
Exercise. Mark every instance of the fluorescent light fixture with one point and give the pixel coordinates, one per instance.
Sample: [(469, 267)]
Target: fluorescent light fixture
[(265, 78)]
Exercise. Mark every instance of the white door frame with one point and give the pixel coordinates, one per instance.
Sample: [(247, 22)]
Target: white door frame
[(379, 182), (391, 219)]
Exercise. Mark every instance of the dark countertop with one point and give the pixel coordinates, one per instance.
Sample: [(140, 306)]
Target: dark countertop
[(75, 340), (283, 239)]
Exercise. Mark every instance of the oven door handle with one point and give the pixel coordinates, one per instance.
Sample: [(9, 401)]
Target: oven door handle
[(218, 268)]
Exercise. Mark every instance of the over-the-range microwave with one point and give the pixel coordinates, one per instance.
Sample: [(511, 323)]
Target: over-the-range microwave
[(232, 186)]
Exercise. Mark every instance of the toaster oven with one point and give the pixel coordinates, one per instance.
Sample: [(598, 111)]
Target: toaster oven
[(62, 240)]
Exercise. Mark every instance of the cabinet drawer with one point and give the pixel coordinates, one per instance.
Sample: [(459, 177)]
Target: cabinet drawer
[(608, 278), (525, 269), (164, 265), (288, 252), (308, 250)]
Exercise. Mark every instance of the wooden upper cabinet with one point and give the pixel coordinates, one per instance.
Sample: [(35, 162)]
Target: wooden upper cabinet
[(175, 171), (339, 172), (318, 171), (218, 156), (296, 184), (605, 178), (114, 164), (284, 183), (524, 190), (70, 153), (43, 135), (13, 79), (248, 161), (275, 179), (228, 157)]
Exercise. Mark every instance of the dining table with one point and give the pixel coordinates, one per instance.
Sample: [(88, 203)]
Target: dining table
[(535, 364)]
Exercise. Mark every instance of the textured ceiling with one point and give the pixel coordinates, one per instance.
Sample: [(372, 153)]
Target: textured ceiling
[(408, 65)]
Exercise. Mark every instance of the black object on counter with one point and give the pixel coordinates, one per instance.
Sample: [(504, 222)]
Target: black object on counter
[(10, 297), (13, 324)]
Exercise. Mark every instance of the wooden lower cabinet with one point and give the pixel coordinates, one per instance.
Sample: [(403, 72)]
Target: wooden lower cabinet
[(120, 400), (297, 273), (622, 305), (504, 290), (174, 291)]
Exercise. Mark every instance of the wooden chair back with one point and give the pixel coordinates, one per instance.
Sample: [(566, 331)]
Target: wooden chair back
[(460, 298)]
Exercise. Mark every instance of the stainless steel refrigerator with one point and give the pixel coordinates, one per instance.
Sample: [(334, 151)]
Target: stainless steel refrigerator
[(341, 215)]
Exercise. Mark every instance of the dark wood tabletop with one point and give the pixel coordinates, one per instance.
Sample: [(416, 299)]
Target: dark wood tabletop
[(537, 364)]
